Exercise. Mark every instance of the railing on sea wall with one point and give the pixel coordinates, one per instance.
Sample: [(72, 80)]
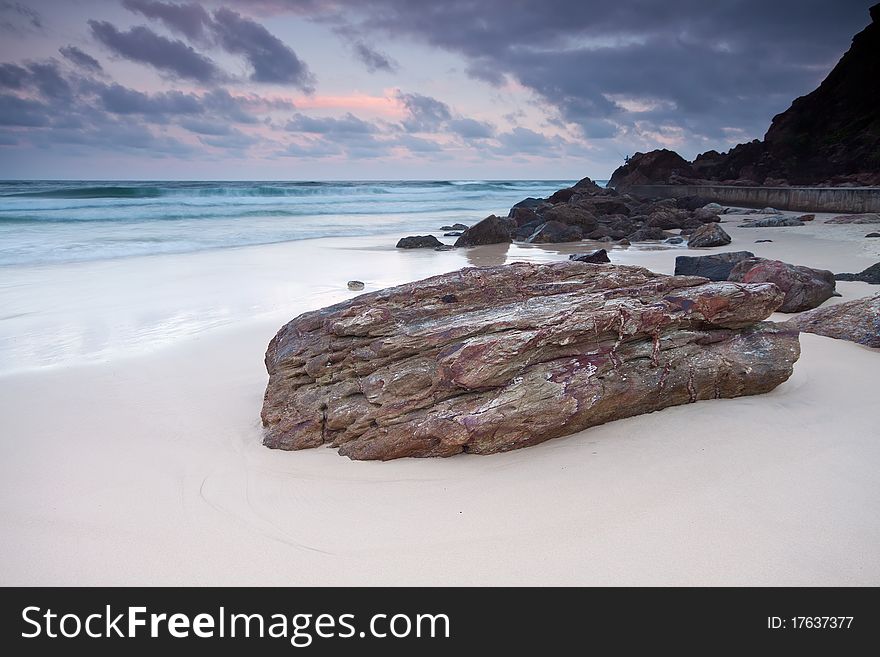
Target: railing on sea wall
[(818, 199)]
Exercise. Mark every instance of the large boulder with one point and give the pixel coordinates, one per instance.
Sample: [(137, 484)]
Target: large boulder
[(524, 216), (856, 321), (530, 202), (493, 359), (706, 216), (602, 205), (418, 242), (562, 195), (656, 167), (715, 267), (708, 235), (869, 275), (805, 288), (491, 230), (573, 215), (552, 232), (525, 231), (669, 219)]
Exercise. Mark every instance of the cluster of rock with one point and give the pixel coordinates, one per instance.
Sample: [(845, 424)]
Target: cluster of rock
[(587, 211), (830, 136), (803, 288), (492, 359)]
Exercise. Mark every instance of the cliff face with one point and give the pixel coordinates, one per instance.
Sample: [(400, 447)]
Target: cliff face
[(830, 136)]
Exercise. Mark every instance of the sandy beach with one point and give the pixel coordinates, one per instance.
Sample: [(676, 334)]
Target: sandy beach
[(131, 444)]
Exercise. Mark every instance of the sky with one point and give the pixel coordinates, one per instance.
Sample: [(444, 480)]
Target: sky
[(397, 89)]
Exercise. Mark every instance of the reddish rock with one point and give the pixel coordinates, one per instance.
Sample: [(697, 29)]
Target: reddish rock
[(804, 287), (493, 359), (856, 321)]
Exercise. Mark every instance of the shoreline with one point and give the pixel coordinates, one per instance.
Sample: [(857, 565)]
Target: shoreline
[(147, 468)]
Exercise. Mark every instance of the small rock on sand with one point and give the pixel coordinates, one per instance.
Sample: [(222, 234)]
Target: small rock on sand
[(418, 242), (355, 285)]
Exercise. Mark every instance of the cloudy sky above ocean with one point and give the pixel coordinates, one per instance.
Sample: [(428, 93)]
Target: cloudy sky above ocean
[(386, 89)]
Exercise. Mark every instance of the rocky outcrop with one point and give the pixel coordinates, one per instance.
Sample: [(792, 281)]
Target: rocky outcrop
[(709, 235), (831, 136), (715, 267), (455, 227), (489, 360), (856, 321), (418, 242), (869, 275), (491, 230), (869, 218), (805, 288), (652, 168)]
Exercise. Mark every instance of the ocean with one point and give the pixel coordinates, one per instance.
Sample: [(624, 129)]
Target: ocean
[(45, 222)]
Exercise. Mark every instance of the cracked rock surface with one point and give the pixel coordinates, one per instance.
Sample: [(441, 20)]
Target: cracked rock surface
[(492, 359)]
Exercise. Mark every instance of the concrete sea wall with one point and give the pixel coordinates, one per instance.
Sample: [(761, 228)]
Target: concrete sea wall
[(818, 199)]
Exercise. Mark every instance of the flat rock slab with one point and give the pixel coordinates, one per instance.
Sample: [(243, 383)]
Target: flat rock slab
[(492, 359), (868, 218), (856, 321)]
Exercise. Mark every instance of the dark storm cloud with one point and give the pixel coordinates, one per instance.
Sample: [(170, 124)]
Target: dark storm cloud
[(49, 81), (614, 68), (373, 59), (190, 19), (121, 100), (170, 56), (13, 76), (43, 78), (82, 59), (270, 58), (16, 17), (426, 114), (15, 111)]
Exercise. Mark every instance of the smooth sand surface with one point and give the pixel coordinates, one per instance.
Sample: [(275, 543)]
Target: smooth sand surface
[(129, 406)]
